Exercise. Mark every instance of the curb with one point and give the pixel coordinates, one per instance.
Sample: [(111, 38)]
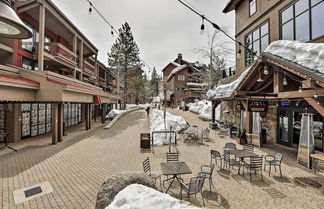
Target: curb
[(111, 123)]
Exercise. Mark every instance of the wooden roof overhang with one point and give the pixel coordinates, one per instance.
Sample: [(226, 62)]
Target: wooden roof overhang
[(272, 89)]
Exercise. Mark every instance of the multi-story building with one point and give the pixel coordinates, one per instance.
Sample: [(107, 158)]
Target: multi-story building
[(184, 81), (258, 23), (51, 80), (282, 85)]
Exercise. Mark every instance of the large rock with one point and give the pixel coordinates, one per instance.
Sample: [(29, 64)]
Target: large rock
[(114, 184)]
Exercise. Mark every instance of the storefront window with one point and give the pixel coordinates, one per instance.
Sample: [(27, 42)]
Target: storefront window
[(302, 20), (29, 64)]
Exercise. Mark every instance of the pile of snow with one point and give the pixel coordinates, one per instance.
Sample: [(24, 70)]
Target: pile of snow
[(113, 113), (226, 90), (309, 55), (139, 196), (156, 99), (204, 109), (157, 124), (197, 84)]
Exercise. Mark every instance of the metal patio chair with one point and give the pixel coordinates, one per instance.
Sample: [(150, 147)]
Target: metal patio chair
[(172, 156), (229, 146), (255, 165), (228, 162), (193, 187), (248, 147), (207, 172), (147, 169), (214, 154), (275, 161)]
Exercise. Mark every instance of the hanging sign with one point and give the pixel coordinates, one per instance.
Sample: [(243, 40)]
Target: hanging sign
[(258, 106)]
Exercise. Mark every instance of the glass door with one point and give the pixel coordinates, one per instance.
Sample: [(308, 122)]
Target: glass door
[(283, 132)]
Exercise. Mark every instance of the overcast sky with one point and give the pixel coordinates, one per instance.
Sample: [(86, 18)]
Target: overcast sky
[(161, 28)]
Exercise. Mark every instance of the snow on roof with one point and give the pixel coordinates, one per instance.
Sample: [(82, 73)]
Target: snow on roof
[(175, 63), (309, 55), (226, 90), (197, 84), (176, 70)]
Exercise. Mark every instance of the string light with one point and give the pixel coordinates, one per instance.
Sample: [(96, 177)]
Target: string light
[(239, 52), (112, 31), (284, 81), (265, 69), (315, 95), (90, 8), (300, 89), (202, 27)]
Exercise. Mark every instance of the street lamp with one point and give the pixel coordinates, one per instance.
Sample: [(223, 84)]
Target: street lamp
[(11, 25)]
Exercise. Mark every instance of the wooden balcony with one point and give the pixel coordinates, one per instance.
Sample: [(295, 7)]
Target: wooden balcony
[(60, 52), (88, 68)]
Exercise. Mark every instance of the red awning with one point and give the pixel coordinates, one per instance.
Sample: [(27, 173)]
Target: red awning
[(97, 100)]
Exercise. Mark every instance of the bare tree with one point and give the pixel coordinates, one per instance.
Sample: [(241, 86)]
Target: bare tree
[(216, 50)]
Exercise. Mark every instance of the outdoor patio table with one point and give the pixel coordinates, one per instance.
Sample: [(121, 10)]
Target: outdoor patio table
[(192, 132), (174, 169), (241, 154)]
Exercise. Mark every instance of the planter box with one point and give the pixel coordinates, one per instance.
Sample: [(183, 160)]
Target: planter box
[(241, 141)]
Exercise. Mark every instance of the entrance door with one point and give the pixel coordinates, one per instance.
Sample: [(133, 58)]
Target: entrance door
[(283, 132)]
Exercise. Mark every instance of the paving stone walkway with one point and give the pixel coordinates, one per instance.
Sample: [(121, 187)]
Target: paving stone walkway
[(77, 167)]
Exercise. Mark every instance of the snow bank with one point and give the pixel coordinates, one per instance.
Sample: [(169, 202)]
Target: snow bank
[(309, 55), (197, 107), (139, 196), (113, 113), (204, 109), (226, 90), (157, 124)]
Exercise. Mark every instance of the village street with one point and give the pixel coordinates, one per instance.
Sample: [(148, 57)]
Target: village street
[(77, 167)]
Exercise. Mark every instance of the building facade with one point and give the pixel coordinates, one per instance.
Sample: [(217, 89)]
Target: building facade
[(184, 81), (52, 80), (270, 78)]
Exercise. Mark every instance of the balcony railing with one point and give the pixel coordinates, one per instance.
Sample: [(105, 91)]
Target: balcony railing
[(61, 52), (88, 68)]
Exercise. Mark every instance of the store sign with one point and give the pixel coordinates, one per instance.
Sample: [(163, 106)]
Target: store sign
[(284, 103), (258, 106)]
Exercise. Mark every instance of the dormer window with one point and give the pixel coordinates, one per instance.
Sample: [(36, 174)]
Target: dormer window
[(252, 7)]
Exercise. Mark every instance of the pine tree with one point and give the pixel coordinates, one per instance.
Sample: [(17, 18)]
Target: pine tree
[(124, 56), (155, 82)]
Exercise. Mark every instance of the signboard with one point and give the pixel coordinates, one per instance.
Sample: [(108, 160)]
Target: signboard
[(258, 106)]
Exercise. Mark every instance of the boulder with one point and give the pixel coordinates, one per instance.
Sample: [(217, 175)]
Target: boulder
[(114, 184)]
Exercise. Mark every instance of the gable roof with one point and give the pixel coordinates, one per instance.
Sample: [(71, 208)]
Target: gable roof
[(171, 63), (180, 68), (232, 5)]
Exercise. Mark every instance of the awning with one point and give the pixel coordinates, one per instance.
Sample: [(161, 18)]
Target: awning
[(9, 80), (97, 100)]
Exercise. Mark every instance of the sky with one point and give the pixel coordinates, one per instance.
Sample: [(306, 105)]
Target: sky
[(161, 28)]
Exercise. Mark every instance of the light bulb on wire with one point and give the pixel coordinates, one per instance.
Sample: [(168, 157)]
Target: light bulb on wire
[(90, 8), (239, 52), (315, 95), (300, 89), (265, 70), (202, 27), (284, 81), (112, 32)]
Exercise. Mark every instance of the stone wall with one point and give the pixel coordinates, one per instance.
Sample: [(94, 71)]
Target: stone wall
[(269, 122), (233, 116)]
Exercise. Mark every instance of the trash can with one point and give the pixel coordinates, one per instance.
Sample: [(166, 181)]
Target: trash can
[(264, 136), (145, 140)]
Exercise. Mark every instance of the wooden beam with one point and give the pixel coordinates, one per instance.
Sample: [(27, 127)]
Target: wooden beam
[(318, 107), (304, 94)]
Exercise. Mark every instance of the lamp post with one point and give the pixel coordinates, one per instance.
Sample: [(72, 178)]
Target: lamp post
[(11, 25)]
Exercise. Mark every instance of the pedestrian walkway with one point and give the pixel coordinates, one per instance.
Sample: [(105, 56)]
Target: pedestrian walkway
[(77, 167)]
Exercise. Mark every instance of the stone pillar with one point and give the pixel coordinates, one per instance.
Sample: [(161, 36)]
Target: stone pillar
[(55, 123), (60, 122), (13, 122), (88, 116), (41, 42)]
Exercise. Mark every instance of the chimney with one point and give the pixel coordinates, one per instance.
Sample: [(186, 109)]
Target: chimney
[(180, 58)]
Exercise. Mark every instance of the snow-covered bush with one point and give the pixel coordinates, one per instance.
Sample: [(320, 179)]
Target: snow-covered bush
[(113, 113), (157, 124)]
